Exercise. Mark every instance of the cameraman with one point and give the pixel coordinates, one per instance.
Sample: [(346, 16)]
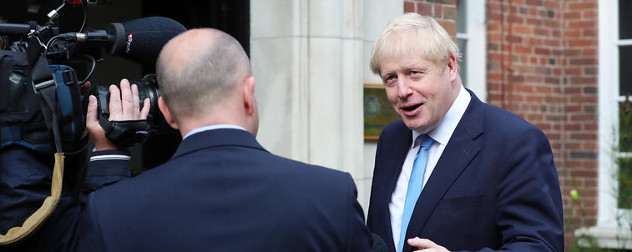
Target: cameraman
[(25, 178), (26, 172)]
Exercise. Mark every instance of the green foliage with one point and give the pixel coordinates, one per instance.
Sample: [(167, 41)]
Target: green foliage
[(623, 160), (624, 176), (584, 243), (625, 183), (625, 126)]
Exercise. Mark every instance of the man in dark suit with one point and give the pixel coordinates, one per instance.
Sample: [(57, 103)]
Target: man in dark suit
[(481, 179), (221, 190)]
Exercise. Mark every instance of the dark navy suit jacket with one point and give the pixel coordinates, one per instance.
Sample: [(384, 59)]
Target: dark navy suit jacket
[(494, 187), (221, 191)]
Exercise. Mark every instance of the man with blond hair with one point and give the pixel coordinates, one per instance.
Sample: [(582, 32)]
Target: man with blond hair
[(455, 173)]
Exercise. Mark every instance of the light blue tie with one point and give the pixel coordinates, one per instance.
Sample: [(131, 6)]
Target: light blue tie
[(415, 183)]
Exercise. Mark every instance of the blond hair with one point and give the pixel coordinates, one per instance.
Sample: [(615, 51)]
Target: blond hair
[(410, 34)]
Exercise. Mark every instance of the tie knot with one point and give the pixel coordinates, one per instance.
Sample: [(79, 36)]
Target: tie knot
[(424, 140)]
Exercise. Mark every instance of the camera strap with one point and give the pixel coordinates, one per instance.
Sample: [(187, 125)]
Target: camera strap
[(44, 84), (17, 233)]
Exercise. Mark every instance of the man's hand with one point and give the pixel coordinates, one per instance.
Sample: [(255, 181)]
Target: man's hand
[(425, 245), (124, 105)]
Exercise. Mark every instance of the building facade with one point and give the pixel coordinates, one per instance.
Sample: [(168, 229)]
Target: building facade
[(560, 65), (563, 65)]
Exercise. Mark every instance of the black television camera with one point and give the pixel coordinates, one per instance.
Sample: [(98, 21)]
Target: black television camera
[(41, 104)]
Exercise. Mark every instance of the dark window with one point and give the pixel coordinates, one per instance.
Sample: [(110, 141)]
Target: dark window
[(461, 24), (625, 19), (625, 70)]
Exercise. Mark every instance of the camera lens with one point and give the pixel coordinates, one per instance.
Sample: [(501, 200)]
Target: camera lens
[(148, 88)]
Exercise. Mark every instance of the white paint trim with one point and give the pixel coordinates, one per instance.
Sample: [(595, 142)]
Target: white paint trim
[(612, 238), (608, 110), (476, 78)]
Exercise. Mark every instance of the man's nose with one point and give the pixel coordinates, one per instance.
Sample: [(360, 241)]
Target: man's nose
[(403, 87)]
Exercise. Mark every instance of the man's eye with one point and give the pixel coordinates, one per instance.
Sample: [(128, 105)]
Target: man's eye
[(415, 75), (389, 80)]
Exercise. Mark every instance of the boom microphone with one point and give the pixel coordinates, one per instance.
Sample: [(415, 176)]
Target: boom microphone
[(139, 40), (142, 39)]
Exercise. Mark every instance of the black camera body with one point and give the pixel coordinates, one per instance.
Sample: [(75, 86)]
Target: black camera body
[(127, 133), (23, 121)]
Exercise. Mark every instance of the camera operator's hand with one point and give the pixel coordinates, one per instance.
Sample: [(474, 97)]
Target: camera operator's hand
[(124, 105)]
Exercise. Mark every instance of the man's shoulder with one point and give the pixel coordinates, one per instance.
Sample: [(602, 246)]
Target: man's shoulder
[(297, 167), (503, 119)]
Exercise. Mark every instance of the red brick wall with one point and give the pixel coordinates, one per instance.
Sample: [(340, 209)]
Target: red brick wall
[(444, 11), (580, 135), (542, 65)]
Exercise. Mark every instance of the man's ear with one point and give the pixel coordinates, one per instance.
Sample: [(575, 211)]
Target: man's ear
[(453, 67), (250, 103), (165, 112)]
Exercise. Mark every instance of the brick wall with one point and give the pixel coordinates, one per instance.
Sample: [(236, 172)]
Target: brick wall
[(542, 65), (444, 11), (580, 135)]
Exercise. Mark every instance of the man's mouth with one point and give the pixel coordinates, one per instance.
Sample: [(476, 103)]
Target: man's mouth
[(411, 108)]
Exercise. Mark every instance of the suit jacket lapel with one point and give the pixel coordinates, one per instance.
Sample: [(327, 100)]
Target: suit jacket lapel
[(459, 152), (392, 152)]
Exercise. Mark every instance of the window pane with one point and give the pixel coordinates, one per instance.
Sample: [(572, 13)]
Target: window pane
[(625, 183), (625, 19), (461, 22), (625, 70), (625, 127), (463, 48)]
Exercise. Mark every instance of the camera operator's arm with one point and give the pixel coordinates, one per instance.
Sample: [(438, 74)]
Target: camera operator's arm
[(27, 182), (110, 163)]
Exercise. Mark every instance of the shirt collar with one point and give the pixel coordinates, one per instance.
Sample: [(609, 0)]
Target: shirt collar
[(446, 127), (213, 127)]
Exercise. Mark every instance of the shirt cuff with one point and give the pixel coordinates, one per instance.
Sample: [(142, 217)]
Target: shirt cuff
[(109, 163)]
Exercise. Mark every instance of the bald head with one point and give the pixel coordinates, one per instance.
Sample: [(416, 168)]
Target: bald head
[(199, 69)]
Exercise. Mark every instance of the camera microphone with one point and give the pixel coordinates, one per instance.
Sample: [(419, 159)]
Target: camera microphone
[(139, 40)]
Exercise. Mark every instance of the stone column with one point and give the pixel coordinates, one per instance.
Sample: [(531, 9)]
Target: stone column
[(309, 61)]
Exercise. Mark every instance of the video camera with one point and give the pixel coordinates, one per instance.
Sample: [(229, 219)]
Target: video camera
[(41, 103)]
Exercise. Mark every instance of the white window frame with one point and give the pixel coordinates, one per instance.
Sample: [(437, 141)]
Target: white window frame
[(609, 233), (476, 59), (609, 99)]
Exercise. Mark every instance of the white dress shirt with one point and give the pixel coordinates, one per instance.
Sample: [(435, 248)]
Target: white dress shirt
[(213, 127), (441, 135)]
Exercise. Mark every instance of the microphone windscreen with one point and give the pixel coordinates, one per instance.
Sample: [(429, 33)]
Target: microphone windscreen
[(143, 38)]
